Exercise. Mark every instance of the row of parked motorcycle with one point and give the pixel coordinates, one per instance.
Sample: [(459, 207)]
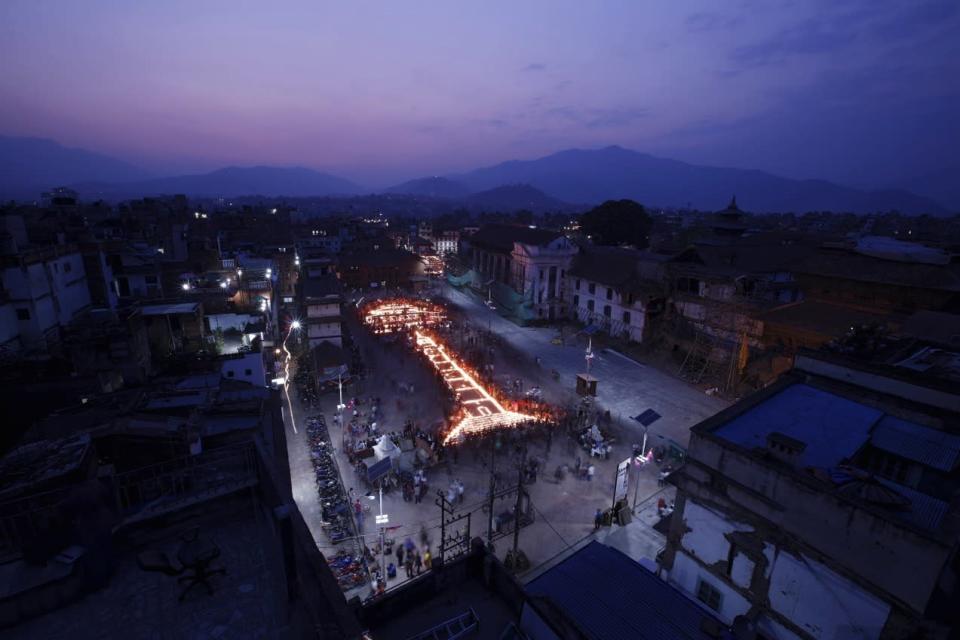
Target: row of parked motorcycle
[(349, 569)]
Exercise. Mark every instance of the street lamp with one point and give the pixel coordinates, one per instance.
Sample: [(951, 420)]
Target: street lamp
[(382, 520)]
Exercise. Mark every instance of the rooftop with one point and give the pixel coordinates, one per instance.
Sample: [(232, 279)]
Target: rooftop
[(809, 415), (612, 266), (174, 308), (379, 257), (500, 237), (821, 317), (610, 596), (934, 326), (840, 429), (321, 286), (849, 265), (246, 602), (38, 462)]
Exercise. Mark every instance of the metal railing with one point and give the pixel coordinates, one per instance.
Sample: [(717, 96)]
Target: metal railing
[(174, 484)]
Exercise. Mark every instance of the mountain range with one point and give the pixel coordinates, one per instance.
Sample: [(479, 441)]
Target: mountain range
[(578, 176)]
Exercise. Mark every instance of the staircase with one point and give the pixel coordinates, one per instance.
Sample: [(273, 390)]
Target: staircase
[(460, 627)]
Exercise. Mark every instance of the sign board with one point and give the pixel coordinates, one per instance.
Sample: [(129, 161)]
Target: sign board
[(647, 418), (384, 519), (378, 469), (623, 470)]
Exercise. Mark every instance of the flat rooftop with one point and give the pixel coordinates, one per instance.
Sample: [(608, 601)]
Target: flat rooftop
[(611, 596), (247, 602), (839, 431), (833, 427), (178, 308)]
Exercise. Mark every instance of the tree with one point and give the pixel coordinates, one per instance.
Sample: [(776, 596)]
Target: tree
[(617, 223)]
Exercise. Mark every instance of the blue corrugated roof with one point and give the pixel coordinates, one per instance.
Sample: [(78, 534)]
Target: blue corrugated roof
[(925, 511), (916, 442), (612, 597), (832, 426)]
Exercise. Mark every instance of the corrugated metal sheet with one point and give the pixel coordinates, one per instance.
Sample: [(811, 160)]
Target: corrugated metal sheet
[(916, 442), (612, 597), (925, 511)]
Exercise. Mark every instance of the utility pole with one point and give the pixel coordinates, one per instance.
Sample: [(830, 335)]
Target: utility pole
[(383, 535), (516, 511), (493, 456)]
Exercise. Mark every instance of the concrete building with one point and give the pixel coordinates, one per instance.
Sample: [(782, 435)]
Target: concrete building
[(245, 367), (46, 288), (825, 506), (379, 266), (321, 298), (174, 327), (446, 242), (101, 341), (616, 290), (522, 269), (881, 277)]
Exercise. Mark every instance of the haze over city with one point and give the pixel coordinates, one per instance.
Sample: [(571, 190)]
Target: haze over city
[(854, 92)]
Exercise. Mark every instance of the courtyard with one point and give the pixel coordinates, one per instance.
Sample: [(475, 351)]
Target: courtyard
[(560, 498)]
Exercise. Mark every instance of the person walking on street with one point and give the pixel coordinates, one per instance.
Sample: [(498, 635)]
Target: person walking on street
[(597, 519), (427, 560), (399, 555), (408, 566), (590, 471), (358, 510), (460, 490), (417, 562)]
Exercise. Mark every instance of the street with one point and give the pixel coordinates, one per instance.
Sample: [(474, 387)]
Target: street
[(563, 508)]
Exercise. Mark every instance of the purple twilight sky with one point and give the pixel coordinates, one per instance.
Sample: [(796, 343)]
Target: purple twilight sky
[(861, 91)]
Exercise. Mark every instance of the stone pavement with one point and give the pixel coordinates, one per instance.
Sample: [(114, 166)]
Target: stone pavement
[(626, 388), (564, 509)]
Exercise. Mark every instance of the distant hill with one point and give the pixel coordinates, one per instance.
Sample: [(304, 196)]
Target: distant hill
[(942, 185), (232, 182), (593, 176), (29, 166), (434, 187), (514, 197)]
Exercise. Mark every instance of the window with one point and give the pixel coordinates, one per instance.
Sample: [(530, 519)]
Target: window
[(709, 595), (23, 314), (592, 288), (590, 305), (578, 284), (67, 267), (626, 317), (576, 300), (248, 372), (541, 274), (229, 374), (609, 293), (606, 310), (688, 285)]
